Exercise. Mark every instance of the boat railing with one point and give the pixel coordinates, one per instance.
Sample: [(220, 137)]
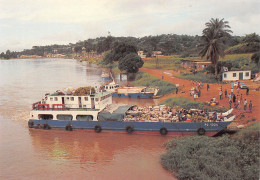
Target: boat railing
[(35, 105)]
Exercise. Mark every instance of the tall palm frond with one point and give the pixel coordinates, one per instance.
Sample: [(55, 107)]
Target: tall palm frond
[(213, 40)]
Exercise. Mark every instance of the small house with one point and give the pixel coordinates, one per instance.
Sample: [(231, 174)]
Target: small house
[(236, 75), (141, 54)]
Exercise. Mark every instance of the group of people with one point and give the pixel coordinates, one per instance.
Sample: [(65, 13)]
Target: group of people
[(236, 100), (195, 91)]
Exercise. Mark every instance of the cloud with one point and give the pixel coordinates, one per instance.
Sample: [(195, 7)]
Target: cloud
[(32, 22)]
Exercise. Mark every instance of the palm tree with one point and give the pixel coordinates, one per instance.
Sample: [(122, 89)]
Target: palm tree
[(214, 39)]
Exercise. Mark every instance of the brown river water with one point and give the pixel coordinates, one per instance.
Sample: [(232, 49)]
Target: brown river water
[(58, 154)]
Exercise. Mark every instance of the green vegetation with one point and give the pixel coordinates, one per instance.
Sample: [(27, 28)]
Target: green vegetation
[(201, 157), (214, 39), (231, 61), (125, 54), (8, 55), (130, 63), (249, 44), (164, 62), (199, 76), (145, 79), (190, 104)]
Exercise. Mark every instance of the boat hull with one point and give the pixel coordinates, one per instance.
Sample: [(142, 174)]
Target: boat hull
[(172, 128), (134, 95)]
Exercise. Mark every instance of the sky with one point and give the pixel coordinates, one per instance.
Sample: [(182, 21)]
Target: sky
[(27, 23)]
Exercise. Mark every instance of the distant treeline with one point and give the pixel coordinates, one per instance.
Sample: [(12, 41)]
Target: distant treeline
[(168, 44)]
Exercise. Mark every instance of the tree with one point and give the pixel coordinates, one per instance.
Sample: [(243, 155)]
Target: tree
[(214, 39), (255, 57), (130, 63), (252, 41), (77, 49), (122, 49)]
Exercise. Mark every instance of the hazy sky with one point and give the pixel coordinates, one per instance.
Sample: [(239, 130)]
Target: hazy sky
[(24, 23)]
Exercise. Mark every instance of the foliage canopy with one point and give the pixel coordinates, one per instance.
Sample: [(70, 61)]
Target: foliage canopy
[(200, 157)]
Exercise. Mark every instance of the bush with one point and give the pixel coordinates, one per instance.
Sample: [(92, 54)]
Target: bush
[(201, 157), (199, 76), (145, 79)]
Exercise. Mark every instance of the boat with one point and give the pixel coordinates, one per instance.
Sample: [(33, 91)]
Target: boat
[(105, 76), (136, 92), (95, 112), (130, 92)]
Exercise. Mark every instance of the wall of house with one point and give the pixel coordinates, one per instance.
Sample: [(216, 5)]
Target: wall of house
[(234, 75)]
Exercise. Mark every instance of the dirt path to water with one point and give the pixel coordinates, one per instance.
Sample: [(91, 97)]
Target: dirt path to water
[(243, 117)]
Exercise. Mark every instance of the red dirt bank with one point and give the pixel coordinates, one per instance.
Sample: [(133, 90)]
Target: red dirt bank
[(186, 85)]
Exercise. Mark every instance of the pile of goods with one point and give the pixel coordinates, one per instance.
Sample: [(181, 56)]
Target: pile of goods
[(83, 91)]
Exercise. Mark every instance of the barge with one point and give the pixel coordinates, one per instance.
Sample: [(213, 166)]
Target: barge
[(95, 112), (131, 92)]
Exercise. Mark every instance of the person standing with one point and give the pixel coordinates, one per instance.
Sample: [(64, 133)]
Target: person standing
[(207, 87), (177, 90), (250, 106), (229, 97), (241, 97), (225, 93), (232, 91), (234, 98), (247, 91), (230, 103), (238, 104), (220, 94), (238, 88), (245, 104)]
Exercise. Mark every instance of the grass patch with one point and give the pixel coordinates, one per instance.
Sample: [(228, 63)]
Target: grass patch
[(190, 104), (145, 79), (199, 76), (201, 157)]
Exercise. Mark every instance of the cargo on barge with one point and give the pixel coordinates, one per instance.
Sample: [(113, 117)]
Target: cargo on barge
[(95, 112)]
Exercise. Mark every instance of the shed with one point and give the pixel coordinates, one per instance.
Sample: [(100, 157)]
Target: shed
[(236, 75)]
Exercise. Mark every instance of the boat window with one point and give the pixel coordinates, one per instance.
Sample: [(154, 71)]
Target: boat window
[(65, 117), (72, 98), (68, 98), (84, 118), (45, 116), (56, 99), (86, 98), (51, 99)]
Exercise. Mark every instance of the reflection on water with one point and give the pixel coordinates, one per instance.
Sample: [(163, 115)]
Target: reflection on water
[(58, 154)]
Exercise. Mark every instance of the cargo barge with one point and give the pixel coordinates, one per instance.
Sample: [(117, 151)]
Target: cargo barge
[(95, 112)]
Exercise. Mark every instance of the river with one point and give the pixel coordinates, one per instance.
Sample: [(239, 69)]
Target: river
[(58, 154)]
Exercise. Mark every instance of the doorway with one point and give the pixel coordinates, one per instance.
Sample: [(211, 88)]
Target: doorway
[(240, 76)]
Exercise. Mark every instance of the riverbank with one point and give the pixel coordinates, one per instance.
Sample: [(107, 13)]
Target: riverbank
[(226, 157), (243, 117)]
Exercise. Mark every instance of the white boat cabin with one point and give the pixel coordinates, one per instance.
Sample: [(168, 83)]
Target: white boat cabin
[(70, 107)]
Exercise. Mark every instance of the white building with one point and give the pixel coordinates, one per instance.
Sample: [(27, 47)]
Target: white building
[(236, 75)]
